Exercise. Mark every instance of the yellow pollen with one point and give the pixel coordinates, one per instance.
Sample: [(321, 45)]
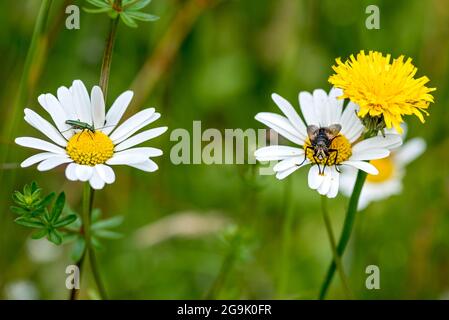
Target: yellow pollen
[(339, 143), (90, 148), (386, 169)]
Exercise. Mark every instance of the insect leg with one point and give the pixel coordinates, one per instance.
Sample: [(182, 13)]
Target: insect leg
[(318, 164), (335, 159), (305, 155)]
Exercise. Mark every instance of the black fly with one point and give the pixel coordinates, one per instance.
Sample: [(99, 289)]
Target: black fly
[(320, 141)]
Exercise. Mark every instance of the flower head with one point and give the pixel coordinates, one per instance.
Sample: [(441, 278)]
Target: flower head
[(384, 90), (391, 172), (322, 111), (87, 138)]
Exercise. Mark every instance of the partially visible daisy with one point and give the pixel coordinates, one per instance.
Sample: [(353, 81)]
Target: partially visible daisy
[(322, 110), (391, 172), (90, 155), (384, 90)]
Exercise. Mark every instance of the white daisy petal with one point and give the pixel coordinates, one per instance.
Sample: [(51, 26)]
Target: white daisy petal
[(148, 165), (117, 110), (96, 182), (106, 173), (130, 125), (70, 172), (53, 162), (36, 158), (369, 154), (66, 101), (277, 153), (389, 141), (335, 182), (362, 165), (315, 179), (81, 101), (336, 108), (55, 110), (281, 125), (126, 158), (283, 174), (289, 163), (322, 107), (153, 118), (97, 107), (147, 152), (410, 151), (45, 127), (325, 186), (141, 137), (291, 114), (83, 172), (308, 108), (39, 144), (349, 118)]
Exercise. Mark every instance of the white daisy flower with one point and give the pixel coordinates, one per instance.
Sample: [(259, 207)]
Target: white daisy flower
[(322, 110), (90, 154), (391, 172)]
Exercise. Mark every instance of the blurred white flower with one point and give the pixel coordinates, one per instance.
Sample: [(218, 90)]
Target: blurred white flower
[(187, 224), (90, 152), (391, 172), (42, 250), (21, 290), (322, 110)]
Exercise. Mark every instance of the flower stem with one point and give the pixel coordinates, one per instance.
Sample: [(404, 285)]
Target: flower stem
[(87, 206), (346, 232), (337, 259), (107, 55)]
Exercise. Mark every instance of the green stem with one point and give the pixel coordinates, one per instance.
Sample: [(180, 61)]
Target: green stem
[(87, 206), (286, 240), (337, 259), (108, 50), (346, 232)]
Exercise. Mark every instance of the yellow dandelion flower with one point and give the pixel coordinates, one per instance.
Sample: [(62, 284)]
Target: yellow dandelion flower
[(384, 90)]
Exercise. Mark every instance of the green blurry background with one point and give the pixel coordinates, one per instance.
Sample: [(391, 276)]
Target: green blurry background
[(218, 62)]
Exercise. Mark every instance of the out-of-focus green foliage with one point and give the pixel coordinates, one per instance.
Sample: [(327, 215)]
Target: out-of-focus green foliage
[(236, 54)]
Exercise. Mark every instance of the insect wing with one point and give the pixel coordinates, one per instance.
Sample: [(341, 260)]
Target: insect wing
[(312, 132), (332, 131)]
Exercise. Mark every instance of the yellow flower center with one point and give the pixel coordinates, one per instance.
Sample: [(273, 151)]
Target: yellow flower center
[(386, 169), (90, 148), (338, 151)]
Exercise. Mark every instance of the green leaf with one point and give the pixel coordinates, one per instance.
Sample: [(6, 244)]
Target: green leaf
[(54, 237), (127, 20), (65, 221), (39, 234), (100, 10), (69, 237), (96, 214), (108, 223), (29, 222), (46, 201), (107, 234), (99, 3), (18, 198), (112, 14), (142, 16), (140, 4), (34, 187), (57, 208), (78, 249), (96, 243), (19, 211)]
